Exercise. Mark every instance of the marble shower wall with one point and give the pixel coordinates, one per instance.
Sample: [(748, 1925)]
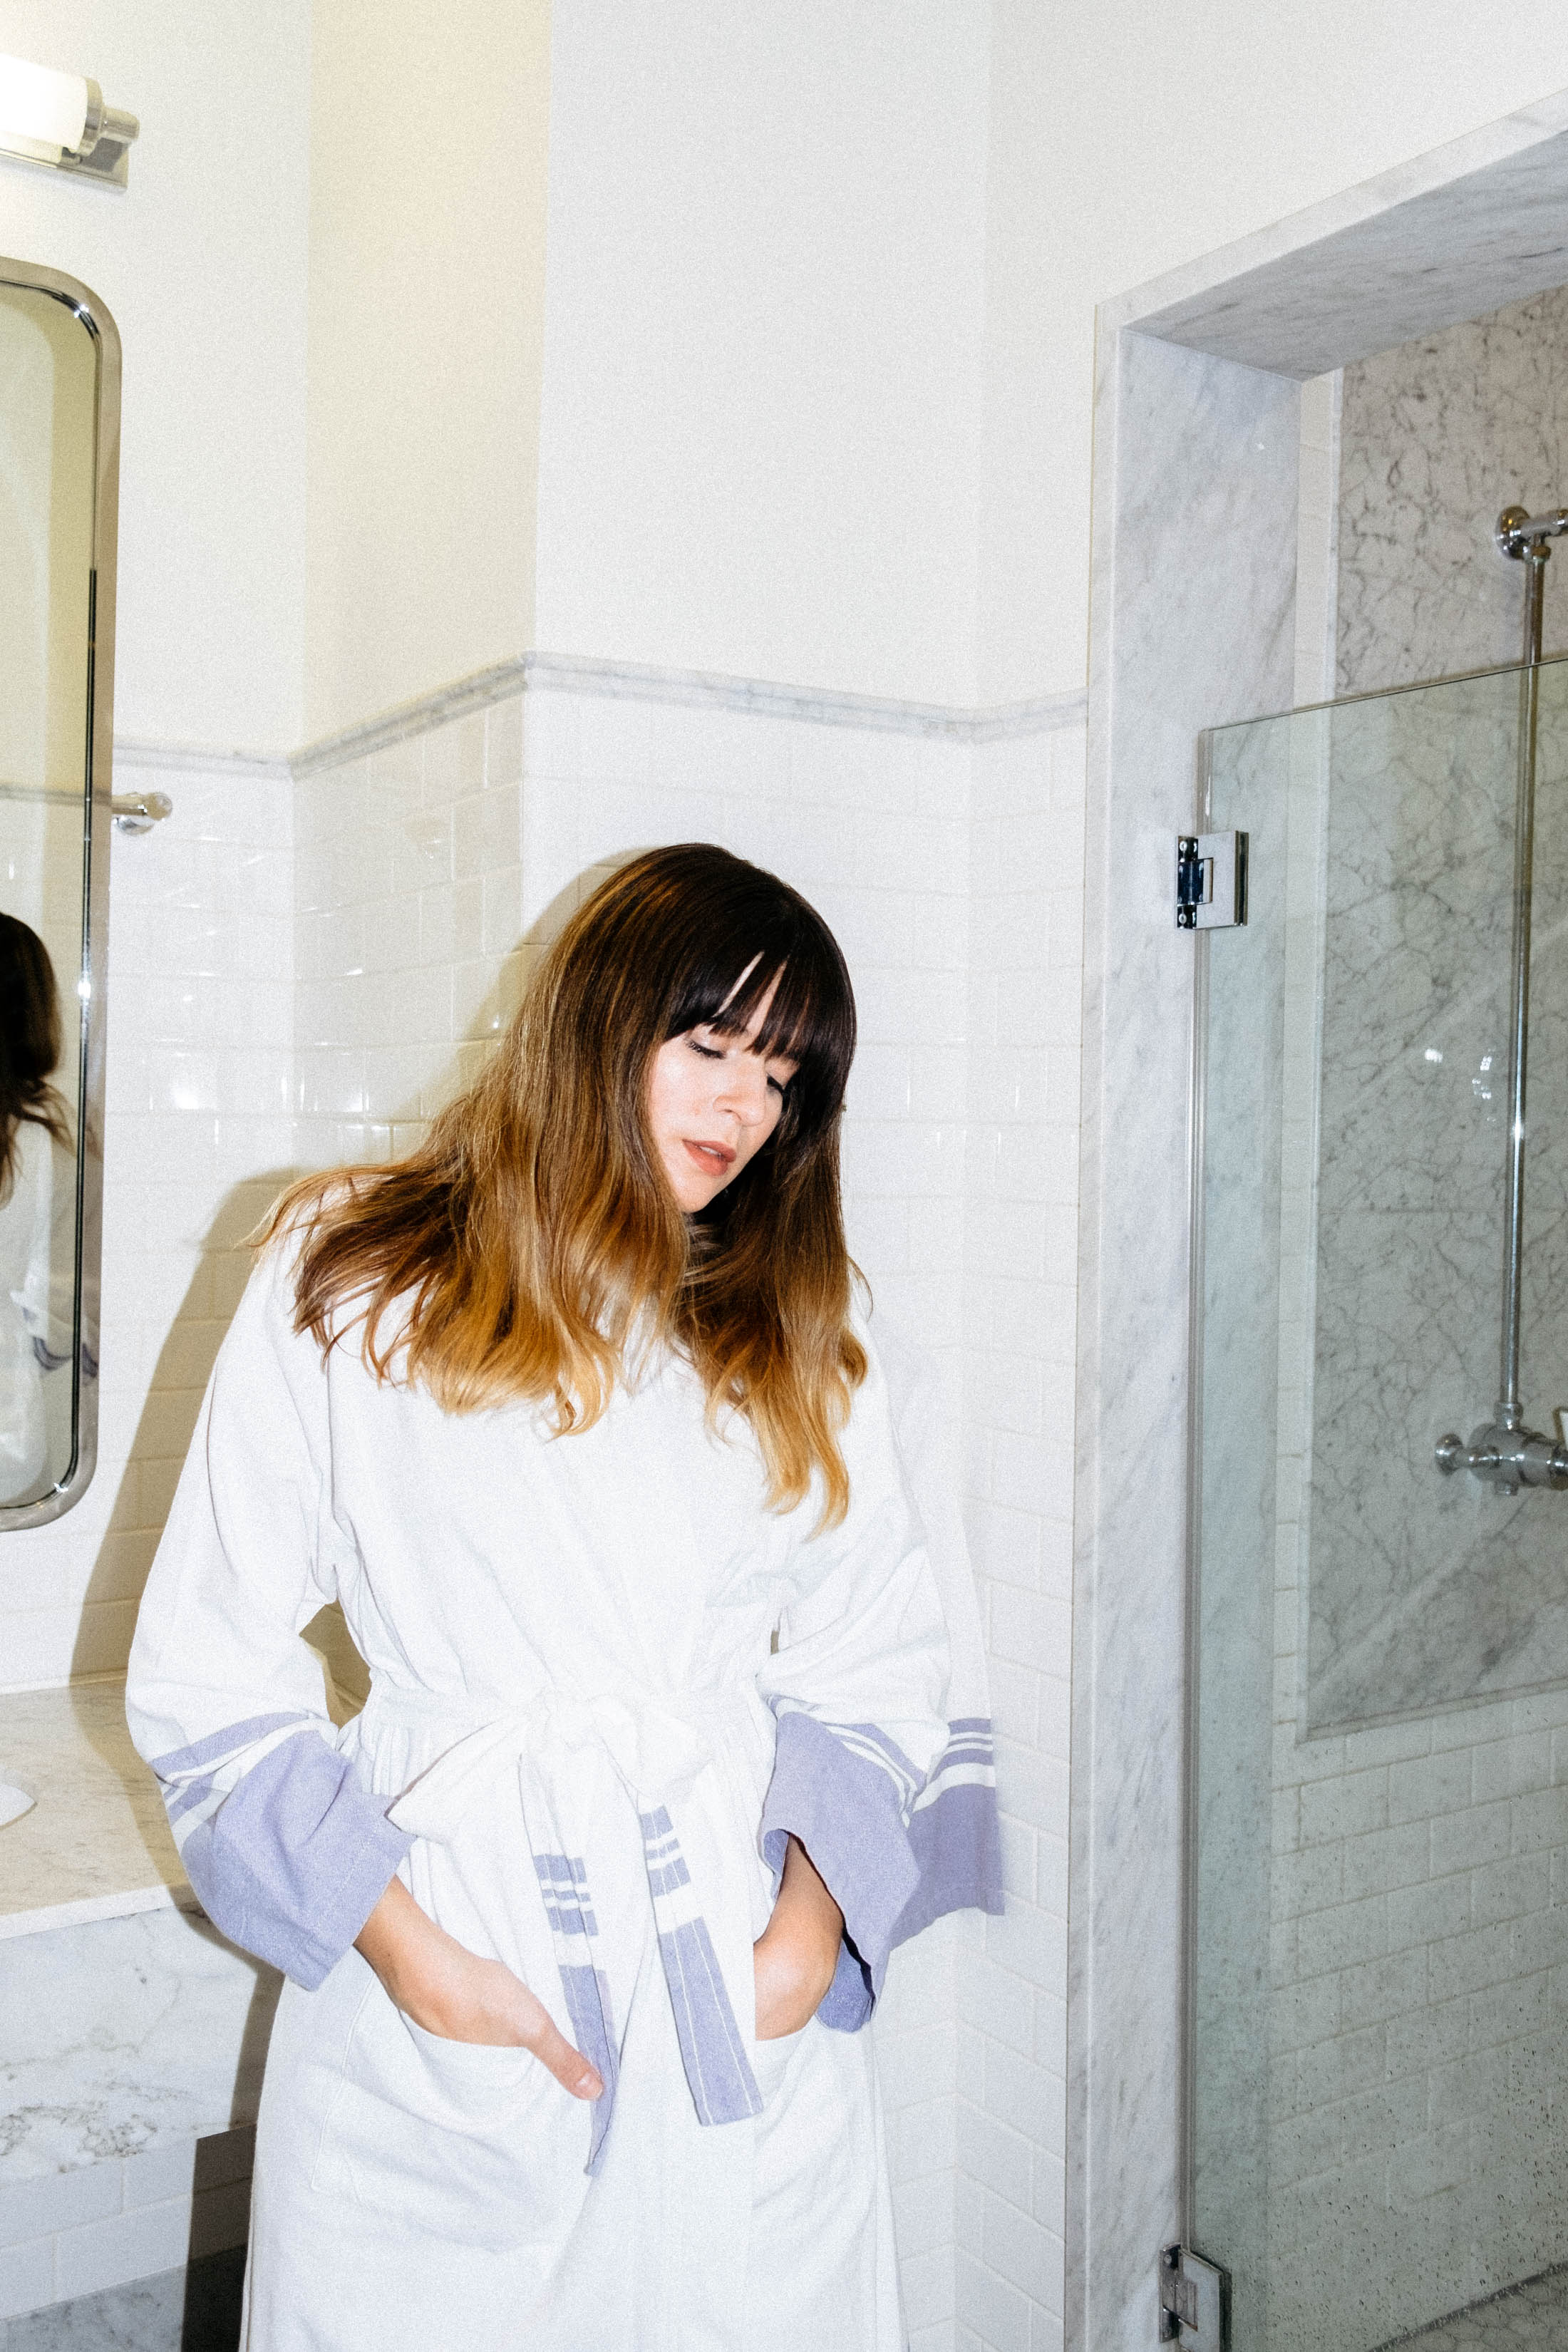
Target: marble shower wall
[(1458, 231), (1437, 436), (1424, 1590), (1421, 1595), (1414, 2069), (1196, 465), (1380, 2074)]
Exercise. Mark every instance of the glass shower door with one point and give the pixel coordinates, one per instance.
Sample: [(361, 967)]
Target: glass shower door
[(1378, 1987)]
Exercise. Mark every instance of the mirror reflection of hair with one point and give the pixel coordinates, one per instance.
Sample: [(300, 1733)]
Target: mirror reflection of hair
[(37, 1210)]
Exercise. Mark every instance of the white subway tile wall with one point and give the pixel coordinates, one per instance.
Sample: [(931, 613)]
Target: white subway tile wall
[(71, 2233), (1019, 1338), (408, 954), (198, 1138), (304, 979)]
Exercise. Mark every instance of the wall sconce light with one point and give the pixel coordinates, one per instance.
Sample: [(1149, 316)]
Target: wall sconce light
[(60, 120)]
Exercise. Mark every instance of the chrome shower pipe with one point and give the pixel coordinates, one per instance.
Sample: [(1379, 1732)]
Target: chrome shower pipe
[(1503, 1452), (1532, 550), (1517, 532)]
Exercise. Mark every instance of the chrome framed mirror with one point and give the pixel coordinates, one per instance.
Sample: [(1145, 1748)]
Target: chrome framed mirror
[(59, 470)]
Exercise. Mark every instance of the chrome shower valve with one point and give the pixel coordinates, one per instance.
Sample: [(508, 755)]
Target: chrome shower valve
[(1508, 1458)]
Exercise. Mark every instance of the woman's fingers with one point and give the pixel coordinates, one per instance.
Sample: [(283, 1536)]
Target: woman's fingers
[(550, 2046), (455, 1994)]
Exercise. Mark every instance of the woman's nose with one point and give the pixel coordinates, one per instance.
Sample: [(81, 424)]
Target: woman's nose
[(745, 1093)]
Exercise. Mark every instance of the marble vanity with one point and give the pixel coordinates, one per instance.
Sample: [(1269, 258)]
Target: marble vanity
[(134, 2035)]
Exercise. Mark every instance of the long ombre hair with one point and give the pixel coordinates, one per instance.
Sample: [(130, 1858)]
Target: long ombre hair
[(30, 1036), (532, 1245)]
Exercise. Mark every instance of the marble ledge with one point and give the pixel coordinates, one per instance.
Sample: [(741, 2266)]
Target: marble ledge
[(1459, 230), (535, 673), (131, 2023), (126, 2035), (51, 1917), (96, 1844)]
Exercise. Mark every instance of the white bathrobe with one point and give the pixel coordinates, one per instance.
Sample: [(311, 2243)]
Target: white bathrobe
[(607, 1684)]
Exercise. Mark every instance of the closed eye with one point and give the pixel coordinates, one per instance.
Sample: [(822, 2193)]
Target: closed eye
[(716, 1053)]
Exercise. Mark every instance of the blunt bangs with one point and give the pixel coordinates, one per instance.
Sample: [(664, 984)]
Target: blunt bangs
[(758, 921)]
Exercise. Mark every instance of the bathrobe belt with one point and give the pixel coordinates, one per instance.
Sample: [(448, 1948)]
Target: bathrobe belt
[(660, 1755)]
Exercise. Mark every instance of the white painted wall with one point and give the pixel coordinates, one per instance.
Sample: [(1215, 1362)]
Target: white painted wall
[(781, 435), (1126, 138), (201, 262), (759, 448), (820, 311), (427, 193)]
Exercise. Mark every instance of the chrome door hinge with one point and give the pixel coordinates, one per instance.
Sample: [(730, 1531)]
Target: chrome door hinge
[(1194, 2301), (1211, 881)]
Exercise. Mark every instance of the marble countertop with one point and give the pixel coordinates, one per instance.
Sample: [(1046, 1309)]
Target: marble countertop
[(96, 1844)]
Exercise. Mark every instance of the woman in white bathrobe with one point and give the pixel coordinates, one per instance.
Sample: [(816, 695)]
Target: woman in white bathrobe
[(677, 1723)]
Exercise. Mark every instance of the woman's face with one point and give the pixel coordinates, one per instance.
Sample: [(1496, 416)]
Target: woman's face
[(712, 1103)]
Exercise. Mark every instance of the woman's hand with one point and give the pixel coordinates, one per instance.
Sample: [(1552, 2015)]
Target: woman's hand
[(452, 1992), (796, 1953)]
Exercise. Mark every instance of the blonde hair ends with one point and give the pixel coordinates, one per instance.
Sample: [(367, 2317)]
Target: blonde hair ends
[(532, 1243)]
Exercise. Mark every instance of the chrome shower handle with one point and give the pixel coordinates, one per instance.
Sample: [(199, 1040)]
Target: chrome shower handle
[(1508, 1459)]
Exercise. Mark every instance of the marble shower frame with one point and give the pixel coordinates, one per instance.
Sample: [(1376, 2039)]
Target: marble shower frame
[(1192, 625)]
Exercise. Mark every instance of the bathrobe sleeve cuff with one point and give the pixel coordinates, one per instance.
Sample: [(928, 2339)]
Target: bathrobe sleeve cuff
[(955, 1833), (293, 1860), (848, 1813), (895, 1852)]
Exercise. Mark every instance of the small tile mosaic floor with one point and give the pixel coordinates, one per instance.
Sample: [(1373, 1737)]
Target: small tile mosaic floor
[(1528, 2318)]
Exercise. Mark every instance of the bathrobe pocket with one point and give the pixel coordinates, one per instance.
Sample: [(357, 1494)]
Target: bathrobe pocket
[(773, 2061), (480, 2145)]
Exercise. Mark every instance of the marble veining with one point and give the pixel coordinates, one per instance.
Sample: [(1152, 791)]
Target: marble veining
[(1384, 2000), (1244, 1164), (1423, 1591), (696, 689), (125, 2035), (196, 2309), (129, 2022), (1437, 436), (1412, 2067), (1195, 564), (1437, 240)]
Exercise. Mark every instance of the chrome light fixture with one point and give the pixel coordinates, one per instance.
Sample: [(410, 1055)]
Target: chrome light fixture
[(60, 120)]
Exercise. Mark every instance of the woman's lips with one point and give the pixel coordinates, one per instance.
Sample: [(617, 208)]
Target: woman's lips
[(713, 1158)]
